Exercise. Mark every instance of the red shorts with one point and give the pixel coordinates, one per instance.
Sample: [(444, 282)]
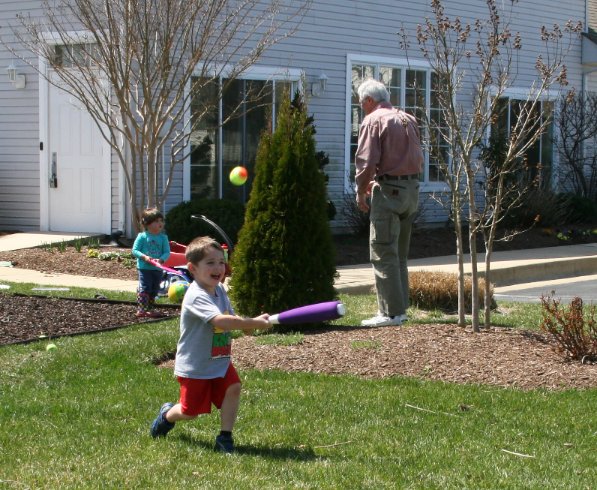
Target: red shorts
[(197, 395)]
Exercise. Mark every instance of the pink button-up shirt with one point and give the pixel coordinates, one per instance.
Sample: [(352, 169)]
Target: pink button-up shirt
[(389, 144)]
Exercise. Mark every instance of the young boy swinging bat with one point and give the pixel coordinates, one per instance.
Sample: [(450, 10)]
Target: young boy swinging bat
[(203, 366)]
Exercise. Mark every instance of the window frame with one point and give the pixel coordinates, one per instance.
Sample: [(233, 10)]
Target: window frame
[(405, 65), (524, 94), (258, 73)]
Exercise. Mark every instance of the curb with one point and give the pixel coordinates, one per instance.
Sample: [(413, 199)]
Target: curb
[(554, 269)]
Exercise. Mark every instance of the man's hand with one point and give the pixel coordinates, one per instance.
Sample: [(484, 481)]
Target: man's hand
[(362, 203)]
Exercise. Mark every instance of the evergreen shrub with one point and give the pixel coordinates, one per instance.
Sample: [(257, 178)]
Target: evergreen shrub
[(540, 206), (285, 253), (227, 214), (580, 209)]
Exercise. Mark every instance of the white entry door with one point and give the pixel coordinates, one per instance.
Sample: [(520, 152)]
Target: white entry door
[(79, 187)]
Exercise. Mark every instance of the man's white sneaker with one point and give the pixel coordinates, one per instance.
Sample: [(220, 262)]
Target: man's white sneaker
[(382, 321)]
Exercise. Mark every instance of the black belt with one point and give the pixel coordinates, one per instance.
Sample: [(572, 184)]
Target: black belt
[(397, 177)]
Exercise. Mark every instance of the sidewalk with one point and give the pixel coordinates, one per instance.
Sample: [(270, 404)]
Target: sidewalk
[(510, 271), (507, 268), (16, 241)]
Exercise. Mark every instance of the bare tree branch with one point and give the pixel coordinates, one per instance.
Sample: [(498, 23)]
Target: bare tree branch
[(482, 55), (135, 65), (577, 142)]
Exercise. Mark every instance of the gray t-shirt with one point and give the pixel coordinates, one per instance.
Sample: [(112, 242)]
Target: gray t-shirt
[(203, 351)]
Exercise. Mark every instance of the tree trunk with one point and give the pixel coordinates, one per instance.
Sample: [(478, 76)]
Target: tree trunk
[(489, 241), (487, 291), (460, 256), (472, 233), (474, 277)]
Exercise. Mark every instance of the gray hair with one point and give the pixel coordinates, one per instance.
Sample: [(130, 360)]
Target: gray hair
[(374, 89)]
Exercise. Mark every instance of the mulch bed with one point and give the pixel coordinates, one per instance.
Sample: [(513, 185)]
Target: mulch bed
[(27, 318), (499, 356)]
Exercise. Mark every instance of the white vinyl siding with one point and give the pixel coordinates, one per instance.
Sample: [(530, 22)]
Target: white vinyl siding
[(19, 133), (592, 14), (330, 30)]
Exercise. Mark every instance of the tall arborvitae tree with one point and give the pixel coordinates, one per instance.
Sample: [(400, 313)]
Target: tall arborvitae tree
[(285, 254)]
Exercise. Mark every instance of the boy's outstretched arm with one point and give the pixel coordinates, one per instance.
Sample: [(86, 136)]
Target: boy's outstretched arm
[(233, 322)]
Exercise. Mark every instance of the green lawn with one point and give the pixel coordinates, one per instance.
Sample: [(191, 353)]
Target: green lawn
[(78, 417)]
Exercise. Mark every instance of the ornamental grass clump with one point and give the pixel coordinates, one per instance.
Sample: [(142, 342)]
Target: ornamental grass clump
[(573, 328), (439, 290)]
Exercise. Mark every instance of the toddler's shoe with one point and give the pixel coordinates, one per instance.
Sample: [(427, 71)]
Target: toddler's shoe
[(156, 314), (224, 444), (150, 314), (160, 426)]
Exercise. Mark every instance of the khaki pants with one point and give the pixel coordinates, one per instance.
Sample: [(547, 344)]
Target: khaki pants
[(393, 207)]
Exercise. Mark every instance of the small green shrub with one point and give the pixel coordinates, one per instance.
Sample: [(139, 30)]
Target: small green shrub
[(439, 290), (538, 206), (580, 209), (108, 256), (93, 242), (78, 244), (125, 258), (227, 214), (574, 331)]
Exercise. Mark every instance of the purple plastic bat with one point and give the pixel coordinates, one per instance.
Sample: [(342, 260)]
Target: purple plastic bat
[(318, 312)]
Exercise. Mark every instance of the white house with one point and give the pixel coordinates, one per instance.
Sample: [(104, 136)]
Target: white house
[(57, 174)]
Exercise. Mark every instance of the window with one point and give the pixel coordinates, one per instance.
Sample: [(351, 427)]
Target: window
[(227, 134), (72, 55), (539, 157), (412, 89)]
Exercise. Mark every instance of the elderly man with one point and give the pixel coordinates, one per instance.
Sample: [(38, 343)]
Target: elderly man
[(389, 160)]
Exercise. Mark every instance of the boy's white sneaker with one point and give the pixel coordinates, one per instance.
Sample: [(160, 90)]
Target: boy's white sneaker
[(383, 321)]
